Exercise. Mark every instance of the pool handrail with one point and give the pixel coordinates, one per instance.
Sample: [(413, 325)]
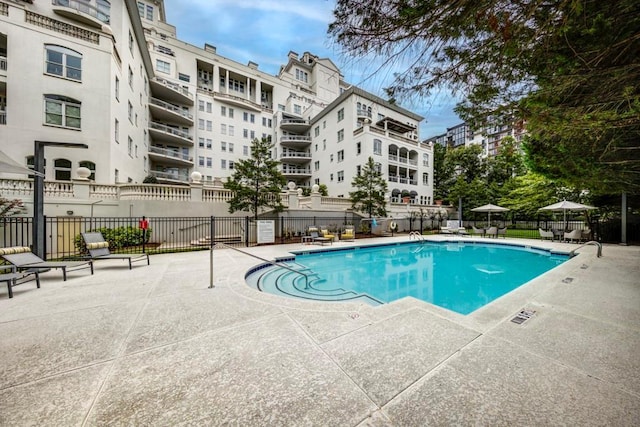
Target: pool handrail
[(417, 235), (274, 263), (591, 242)]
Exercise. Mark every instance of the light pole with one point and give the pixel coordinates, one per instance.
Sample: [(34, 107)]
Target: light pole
[(39, 227)]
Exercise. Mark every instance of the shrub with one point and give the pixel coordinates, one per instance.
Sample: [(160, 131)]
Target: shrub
[(119, 237), (150, 179)]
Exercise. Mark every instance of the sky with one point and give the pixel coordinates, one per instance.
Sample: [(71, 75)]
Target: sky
[(264, 31)]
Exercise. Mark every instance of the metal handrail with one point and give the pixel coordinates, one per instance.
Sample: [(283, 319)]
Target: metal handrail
[(274, 263), (591, 242), (417, 235)]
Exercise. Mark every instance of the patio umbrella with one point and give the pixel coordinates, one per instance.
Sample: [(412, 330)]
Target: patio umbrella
[(565, 206), (489, 208), (10, 166)]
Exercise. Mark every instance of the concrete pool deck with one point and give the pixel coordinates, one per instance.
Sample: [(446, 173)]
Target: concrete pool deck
[(155, 346)]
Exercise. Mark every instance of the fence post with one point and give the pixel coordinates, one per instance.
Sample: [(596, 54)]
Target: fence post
[(246, 235), (211, 245), (282, 229)]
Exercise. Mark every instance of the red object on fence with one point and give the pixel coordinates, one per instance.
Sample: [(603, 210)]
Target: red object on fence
[(143, 224)]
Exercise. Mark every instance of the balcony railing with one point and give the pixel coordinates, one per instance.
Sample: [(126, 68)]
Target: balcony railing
[(295, 138), (174, 176), (171, 153), (294, 122), (173, 131), (3, 117), (302, 154), (173, 108), (3, 63), (364, 113), (99, 9), (175, 87), (296, 171)]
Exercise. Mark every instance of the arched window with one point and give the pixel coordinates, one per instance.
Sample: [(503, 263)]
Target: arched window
[(91, 166), (63, 62), (61, 111), (62, 169), (425, 159)]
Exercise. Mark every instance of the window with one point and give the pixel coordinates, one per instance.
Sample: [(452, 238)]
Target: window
[(130, 112), (340, 155), (184, 77), (377, 147), (316, 165), (231, 164), (223, 163), (324, 124), (130, 146), (245, 150), (209, 107), (231, 130), (209, 162), (223, 129), (62, 169), (252, 134), (130, 42), (231, 147), (316, 131), (209, 144), (63, 62), (425, 159), (331, 177), (231, 113), (117, 89), (425, 179), (341, 114), (201, 142), (31, 164), (61, 111), (316, 147), (130, 78), (301, 75), (201, 161), (324, 144), (340, 135), (358, 148), (116, 130), (163, 66), (142, 8), (236, 85), (209, 125), (252, 118), (245, 117), (201, 124), (200, 105), (223, 111), (358, 170), (245, 133), (297, 109), (340, 176), (281, 107), (331, 158), (223, 146)]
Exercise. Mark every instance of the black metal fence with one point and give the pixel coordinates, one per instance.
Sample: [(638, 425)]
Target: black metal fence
[(126, 235)]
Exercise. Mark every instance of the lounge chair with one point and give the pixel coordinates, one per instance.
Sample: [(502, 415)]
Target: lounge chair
[(14, 278), (446, 230), (492, 232), (546, 234), (586, 234), (348, 234), (99, 249), (325, 233), (574, 235), (502, 232), (315, 237), (25, 260), (479, 231)]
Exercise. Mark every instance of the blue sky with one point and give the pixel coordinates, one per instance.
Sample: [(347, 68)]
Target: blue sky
[(264, 31)]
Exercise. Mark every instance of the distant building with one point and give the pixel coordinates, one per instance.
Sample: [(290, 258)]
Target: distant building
[(114, 76)]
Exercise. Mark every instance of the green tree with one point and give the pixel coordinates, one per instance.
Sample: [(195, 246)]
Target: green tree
[(529, 193), (370, 189), (568, 68), (442, 172), (256, 181)]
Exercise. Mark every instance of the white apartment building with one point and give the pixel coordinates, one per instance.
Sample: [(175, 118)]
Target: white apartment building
[(114, 76)]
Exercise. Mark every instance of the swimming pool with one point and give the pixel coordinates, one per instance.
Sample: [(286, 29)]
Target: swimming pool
[(459, 276)]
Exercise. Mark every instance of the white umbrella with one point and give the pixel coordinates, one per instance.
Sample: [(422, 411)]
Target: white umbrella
[(565, 206), (9, 165), (489, 208)]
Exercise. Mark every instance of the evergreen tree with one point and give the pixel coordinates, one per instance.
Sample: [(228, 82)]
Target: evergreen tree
[(370, 189), (256, 181)]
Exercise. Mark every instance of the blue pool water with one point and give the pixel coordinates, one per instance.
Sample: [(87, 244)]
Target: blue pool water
[(458, 276)]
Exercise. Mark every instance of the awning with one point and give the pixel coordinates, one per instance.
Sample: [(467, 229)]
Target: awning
[(413, 193), (8, 165), (395, 192)]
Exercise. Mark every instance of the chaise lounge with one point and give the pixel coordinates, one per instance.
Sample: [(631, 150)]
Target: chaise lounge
[(14, 278), (25, 260), (98, 249)]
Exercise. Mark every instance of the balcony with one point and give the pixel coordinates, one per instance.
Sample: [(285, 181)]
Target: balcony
[(363, 114), (238, 101), (169, 113), (162, 132), (3, 65), (292, 156), (172, 176), (290, 171), (295, 140), (295, 125), (94, 13), (170, 91), (170, 157)]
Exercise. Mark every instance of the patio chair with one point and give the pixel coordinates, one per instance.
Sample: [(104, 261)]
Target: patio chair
[(492, 232), (479, 231), (546, 234), (325, 233), (586, 234), (502, 232), (315, 237), (574, 235), (14, 278), (348, 234), (26, 261), (445, 230), (99, 249)]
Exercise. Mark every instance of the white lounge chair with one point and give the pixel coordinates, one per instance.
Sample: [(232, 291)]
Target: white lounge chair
[(546, 234), (574, 235)]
